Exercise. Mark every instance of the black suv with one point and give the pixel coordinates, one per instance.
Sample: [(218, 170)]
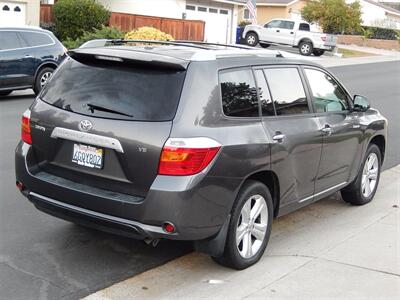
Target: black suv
[(195, 142), (28, 57)]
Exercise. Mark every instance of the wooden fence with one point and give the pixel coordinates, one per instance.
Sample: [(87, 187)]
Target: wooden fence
[(180, 29), (46, 13)]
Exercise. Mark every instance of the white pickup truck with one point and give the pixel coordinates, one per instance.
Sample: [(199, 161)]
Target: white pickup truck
[(289, 32)]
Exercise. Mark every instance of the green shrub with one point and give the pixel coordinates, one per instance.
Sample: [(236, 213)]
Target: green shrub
[(103, 33), (49, 26), (73, 17), (371, 32)]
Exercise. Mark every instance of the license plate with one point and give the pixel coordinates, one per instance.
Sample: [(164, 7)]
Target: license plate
[(88, 156)]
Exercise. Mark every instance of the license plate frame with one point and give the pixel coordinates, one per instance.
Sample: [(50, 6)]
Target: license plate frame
[(88, 156)]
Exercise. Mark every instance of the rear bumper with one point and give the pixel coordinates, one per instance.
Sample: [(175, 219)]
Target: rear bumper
[(196, 205)]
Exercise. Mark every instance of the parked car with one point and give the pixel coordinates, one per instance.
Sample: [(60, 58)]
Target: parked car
[(28, 58), (290, 33), (131, 140)]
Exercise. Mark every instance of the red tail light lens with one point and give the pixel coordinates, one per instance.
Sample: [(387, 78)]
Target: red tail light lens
[(182, 157), (26, 127)]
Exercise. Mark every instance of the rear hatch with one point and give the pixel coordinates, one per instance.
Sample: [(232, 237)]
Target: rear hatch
[(103, 119)]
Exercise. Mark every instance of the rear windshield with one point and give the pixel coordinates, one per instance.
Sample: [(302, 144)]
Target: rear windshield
[(132, 93)]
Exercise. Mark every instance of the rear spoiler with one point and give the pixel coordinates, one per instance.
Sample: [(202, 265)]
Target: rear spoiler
[(118, 56)]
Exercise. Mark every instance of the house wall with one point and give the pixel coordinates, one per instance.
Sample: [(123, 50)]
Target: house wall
[(159, 8)]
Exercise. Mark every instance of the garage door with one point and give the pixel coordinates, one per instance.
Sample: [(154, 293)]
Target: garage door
[(12, 14), (218, 22)]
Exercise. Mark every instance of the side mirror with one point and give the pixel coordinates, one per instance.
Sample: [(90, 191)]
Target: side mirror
[(360, 103)]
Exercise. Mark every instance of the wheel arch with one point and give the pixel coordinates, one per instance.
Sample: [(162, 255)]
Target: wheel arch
[(46, 64), (380, 141), (270, 179), (253, 31), (305, 40)]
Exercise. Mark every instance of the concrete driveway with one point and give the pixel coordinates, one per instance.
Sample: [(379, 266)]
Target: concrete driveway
[(327, 250)]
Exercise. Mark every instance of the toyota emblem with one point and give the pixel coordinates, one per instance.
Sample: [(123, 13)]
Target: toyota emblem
[(85, 125)]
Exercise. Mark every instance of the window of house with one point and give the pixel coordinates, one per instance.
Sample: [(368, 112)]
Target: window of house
[(239, 93), (17, 9), (201, 8), (190, 7), (223, 11), (213, 10), (246, 14), (6, 8), (267, 107), (287, 91), (327, 94)]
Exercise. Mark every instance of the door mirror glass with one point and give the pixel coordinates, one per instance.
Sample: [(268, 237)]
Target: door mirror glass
[(361, 103)]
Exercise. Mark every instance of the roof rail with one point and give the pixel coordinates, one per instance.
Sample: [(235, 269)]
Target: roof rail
[(216, 44)]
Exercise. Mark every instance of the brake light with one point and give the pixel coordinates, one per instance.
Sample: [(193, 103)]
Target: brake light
[(187, 156), (26, 127), (323, 38)]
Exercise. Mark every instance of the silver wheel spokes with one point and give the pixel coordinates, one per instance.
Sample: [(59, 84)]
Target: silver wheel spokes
[(45, 77), (251, 40), (252, 226), (369, 175), (305, 48)]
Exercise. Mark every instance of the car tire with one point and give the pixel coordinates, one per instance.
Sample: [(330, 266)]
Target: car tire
[(263, 45), (255, 228), (41, 79), (318, 52), (251, 39), (306, 48), (362, 190), (5, 93)]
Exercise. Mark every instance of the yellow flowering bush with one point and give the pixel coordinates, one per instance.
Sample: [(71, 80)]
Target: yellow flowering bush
[(148, 33)]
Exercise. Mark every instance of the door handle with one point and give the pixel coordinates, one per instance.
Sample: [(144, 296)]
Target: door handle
[(278, 137), (278, 30), (327, 130), (291, 32), (28, 56)]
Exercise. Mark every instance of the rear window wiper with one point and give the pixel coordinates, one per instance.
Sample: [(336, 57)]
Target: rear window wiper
[(93, 107)]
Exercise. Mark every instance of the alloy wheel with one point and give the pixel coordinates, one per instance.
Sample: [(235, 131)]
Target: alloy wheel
[(45, 77), (369, 175), (305, 48), (252, 226), (251, 40)]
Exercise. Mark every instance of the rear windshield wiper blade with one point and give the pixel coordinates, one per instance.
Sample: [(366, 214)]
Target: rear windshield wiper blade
[(93, 107)]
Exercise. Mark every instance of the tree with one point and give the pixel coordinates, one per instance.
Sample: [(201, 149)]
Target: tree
[(334, 16)]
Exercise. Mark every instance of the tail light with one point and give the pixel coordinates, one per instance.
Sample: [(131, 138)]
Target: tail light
[(323, 38), (26, 127), (187, 156)]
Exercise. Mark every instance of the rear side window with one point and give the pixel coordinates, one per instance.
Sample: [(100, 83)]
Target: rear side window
[(267, 107), (9, 40), (239, 93), (34, 39), (304, 27), (132, 93), (287, 25), (287, 91)]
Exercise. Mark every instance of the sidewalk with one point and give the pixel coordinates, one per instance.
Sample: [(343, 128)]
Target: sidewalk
[(375, 51), (327, 250)]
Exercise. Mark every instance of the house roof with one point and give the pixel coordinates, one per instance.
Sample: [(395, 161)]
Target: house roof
[(269, 2), (385, 7)]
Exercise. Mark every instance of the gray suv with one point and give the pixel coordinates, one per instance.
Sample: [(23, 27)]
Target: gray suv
[(195, 142)]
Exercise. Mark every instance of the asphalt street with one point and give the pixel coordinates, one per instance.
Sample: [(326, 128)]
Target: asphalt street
[(42, 257)]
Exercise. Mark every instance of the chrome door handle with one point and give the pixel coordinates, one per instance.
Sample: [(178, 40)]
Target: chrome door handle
[(28, 56), (278, 137)]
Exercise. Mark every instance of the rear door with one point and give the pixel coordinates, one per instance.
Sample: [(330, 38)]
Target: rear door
[(286, 32), (341, 130), (104, 124), (270, 31), (12, 60), (293, 130)]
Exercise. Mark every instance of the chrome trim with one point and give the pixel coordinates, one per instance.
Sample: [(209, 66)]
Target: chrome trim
[(323, 192), (87, 138), (145, 227)]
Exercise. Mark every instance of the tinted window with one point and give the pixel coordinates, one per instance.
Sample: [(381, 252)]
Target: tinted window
[(9, 40), (267, 108), (273, 24), (327, 94), (239, 94), (287, 91), (33, 39), (287, 25), (145, 94), (304, 26)]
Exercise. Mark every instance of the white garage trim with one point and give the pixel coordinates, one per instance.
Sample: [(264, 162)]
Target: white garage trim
[(12, 13)]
